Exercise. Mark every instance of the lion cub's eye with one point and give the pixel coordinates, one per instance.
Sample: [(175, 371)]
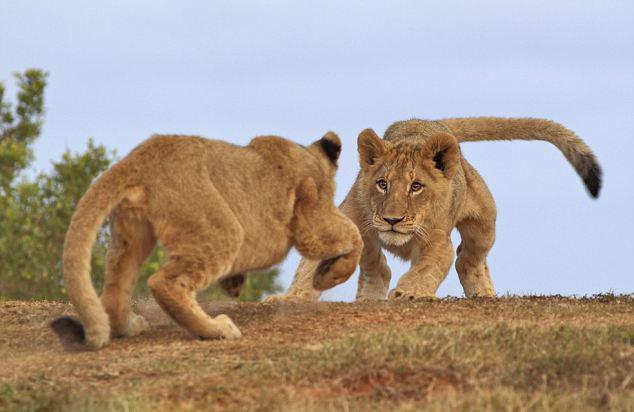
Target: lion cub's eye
[(382, 184), (416, 186)]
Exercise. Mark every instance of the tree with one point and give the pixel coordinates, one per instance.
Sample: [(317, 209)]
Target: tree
[(35, 213), (18, 130), (34, 220)]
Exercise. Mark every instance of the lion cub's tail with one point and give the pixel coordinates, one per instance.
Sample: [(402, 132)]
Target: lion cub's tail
[(91, 211), (498, 128)]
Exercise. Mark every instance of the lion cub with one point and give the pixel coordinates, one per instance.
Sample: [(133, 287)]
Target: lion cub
[(220, 210), (415, 187)]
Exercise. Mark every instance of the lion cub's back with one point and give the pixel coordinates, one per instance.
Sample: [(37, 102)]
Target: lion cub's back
[(175, 154), (176, 149), (240, 174)]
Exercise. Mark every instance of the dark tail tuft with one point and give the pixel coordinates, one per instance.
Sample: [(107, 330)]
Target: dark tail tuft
[(592, 176), (70, 332)]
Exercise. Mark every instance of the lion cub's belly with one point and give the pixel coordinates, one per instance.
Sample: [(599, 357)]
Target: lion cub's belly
[(262, 251)]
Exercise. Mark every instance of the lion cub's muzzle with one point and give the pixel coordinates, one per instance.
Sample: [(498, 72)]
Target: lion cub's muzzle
[(394, 230), (393, 224)]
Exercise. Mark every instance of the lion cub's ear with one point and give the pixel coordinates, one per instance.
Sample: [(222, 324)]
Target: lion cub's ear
[(444, 150), (370, 147), (329, 146)]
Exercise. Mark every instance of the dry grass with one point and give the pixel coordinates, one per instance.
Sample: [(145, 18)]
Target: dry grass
[(532, 353)]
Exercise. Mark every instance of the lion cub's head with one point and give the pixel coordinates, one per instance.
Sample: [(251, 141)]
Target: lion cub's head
[(407, 183)]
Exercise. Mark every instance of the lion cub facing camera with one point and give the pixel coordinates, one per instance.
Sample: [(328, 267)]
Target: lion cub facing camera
[(220, 210)]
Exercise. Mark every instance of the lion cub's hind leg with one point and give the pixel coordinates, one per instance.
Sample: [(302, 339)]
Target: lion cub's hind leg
[(478, 236), (175, 287), (201, 249), (131, 242)]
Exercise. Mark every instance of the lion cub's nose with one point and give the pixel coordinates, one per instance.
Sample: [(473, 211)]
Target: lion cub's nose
[(392, 220)]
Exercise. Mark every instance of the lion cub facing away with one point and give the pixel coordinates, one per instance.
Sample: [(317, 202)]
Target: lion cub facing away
[(220, 210)]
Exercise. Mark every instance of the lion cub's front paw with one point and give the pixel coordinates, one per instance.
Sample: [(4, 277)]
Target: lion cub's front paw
[(332, 272), (279, 298), (401, 294), (370, 297), (294, 297), (97, 339), (371, 291), (228, 329), (275, 299)]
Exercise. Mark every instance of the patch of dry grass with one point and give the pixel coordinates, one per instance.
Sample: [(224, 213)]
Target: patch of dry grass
[(531, 364), (534, 353)]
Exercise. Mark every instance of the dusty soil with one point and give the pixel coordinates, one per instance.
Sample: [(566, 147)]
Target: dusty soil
[(337, 356)]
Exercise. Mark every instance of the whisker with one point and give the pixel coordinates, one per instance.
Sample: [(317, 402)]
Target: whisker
[(423, 235), (366, 227)]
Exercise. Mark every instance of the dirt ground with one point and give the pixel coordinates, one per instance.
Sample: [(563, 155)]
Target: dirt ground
[(513, 353)]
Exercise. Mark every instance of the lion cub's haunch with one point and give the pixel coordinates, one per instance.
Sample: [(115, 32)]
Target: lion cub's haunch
[(220, 210), (415, 186)]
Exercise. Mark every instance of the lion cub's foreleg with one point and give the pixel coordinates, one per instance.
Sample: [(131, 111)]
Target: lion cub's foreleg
[(429, 268), (478, 237), (375, 274), (323, 232), (301, 289), (340, 247), (335, 240), (131, 242)]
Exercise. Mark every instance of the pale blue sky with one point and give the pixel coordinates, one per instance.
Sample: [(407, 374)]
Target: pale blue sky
[(122, 70)]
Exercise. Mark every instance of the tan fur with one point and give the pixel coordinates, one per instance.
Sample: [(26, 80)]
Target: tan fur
[(454, 197), (220, 211)]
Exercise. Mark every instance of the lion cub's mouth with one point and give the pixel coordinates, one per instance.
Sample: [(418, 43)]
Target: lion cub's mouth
[(392, 237)]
